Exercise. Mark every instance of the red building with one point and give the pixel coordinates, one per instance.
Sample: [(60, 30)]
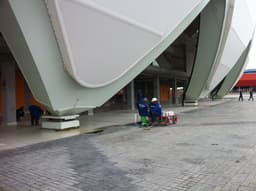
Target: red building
[(247, 80)]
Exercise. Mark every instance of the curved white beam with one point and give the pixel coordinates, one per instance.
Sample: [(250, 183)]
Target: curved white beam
[(38, 55), (234, 74), (239, 36), (210, 35), (101, 40)]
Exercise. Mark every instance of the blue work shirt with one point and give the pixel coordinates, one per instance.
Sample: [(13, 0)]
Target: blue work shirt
[(35, 111), (143, 109), (156, 109)]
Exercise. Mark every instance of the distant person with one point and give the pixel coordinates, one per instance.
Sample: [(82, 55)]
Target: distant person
[(155, 110), (139, 98), (143, 108), (251, 95), (20, 113), (241, 98), (35, 113)]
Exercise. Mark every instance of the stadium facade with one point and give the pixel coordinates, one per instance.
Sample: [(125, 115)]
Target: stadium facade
[(77, 55)]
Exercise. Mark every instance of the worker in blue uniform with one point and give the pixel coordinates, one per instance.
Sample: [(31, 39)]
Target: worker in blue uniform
[(155, 110), (143, 108), (35, 113)]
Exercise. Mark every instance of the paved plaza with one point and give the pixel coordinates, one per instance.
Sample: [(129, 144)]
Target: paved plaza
[(210, 149)]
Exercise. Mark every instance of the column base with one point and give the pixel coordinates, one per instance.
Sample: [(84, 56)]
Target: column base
[(60, 122), (191, 103), (11, 123)]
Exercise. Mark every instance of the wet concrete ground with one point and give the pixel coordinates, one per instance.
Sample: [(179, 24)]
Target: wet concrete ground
[(212, 148)]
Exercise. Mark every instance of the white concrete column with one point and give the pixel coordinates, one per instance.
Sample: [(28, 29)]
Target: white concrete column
[(131, 95), (90, 112), (174, 90), (157, 87), (27, 96), (9, 92)]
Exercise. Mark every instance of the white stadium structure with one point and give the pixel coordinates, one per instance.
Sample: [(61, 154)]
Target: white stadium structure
[(77, 55)]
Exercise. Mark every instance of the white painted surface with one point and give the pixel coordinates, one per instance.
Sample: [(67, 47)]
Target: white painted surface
[(64, 117), (157, 15), (243, 23), (233, 50), (60, 125), (44, 70), (102, 40)]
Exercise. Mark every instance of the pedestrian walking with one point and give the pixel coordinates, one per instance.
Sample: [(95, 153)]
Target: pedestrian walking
[(241, 98), (251, 95)]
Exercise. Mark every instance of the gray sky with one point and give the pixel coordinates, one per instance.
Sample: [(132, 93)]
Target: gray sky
[(252, 54)]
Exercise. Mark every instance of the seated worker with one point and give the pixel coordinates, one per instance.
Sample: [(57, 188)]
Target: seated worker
[(155, 110), (35, 113), (143, 111), (20, 113)]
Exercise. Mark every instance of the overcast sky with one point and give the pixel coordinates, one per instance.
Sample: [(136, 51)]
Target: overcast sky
[(252, 55)]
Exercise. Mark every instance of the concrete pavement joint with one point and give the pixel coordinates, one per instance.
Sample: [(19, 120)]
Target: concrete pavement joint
[(218, 155)]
